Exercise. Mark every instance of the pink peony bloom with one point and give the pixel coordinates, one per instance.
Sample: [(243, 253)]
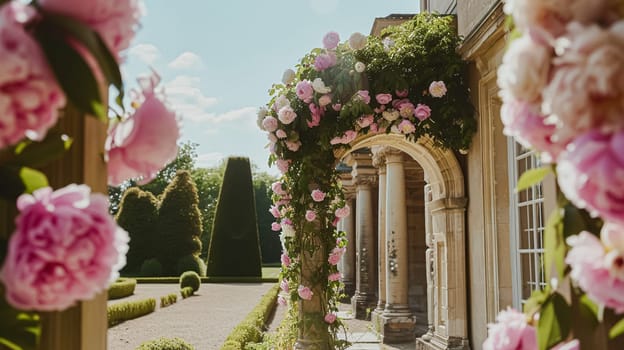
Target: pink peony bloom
[(286, 115), (406, 110), (282, 301), (269, 123), (324, 61), (334, 277), (66, 247), (437, 89), (374, 128), (612, 236), (335, 255), (422, 112), (304, 91), (305, 293), (284, 286), (331, 40), (599, 274), (346, 138), (401, 93), (310, 215), (276, 226), (383, 99), (29, 95), (365, 120), (318, 195), (285, 259), (571, 345), (511, 332), (282, 165), (406, 127), (343, 212), (591, 174), (275, 212), (142, 144), (363, 95), (330, 318), (115, 20)]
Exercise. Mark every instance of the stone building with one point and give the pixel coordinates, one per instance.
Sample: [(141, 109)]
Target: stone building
[(441, 242)]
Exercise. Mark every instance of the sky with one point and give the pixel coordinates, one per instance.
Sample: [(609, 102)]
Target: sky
[(218, 59)]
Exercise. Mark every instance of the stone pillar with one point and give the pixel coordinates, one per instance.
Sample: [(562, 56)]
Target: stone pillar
[(399, 324), (348, 258), (364, 299), (379, 162)]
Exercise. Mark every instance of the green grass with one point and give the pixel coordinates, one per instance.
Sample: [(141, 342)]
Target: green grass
[(270, 271)]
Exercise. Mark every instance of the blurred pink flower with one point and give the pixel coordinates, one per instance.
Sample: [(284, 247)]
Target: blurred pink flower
[(275, 226), (143, 143), (324, 61), (66, 247), (334, 276), (316, 113), (304, 91), (570, 345), (331, 40), (365, 120), (337, 107), (364, 96), (346, 138), (275, 212), (284, 285), (437, 89), (278, 188), (280, 134), (269, 123), (29, 95), (310, 215), (304, 292), (335, 255), (343, 212), (510, 332), (282, 165), (281, 301), (293, 146), (330, 318), (318, 195), (401, 93), (383, 99), (422, 112), (285, 259), (406, 109)]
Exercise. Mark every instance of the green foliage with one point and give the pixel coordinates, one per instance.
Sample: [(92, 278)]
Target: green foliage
[(190, 279), (151, 268), (270, 245), (208, 181), (18, 329), (168, 299), (166, 344), (191, 263), (179, 222), (187, 292), (122, 288), (234, 247), (129, 310), (532, 177), (138, 215), (251, 328)]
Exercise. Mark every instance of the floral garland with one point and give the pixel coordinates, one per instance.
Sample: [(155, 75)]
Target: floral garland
[(561, 84), (363, 86), (66, 247)]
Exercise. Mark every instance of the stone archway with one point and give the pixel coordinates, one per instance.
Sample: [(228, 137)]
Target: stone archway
[(445, 204)]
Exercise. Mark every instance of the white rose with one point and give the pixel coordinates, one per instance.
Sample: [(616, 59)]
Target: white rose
[(357, 41), (319, 86), (437, 89), (288, 77), (391, 115), (360, 67), (286, 115), (288, 230), (262, 112), (280, 102)]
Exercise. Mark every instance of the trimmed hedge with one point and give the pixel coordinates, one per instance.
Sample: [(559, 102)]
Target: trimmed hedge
[(251, 328), (168, 299), (129, 310), (151, 268), (175, 280), (123, 287), (186, 292), (235, 227), (190, 279), (166, 344), (191, 263)]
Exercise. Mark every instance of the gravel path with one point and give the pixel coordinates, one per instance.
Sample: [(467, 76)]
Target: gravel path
[(204, 320)]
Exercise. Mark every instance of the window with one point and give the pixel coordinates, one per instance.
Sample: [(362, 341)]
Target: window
[(527, 227)]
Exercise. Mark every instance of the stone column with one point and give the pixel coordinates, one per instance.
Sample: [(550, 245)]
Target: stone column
[(348, 258), (399, 323), (379, 162)]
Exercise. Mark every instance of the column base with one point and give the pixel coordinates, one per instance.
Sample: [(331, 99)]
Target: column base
[(376, 320), (362, 305), (431, 341), (397, 327)]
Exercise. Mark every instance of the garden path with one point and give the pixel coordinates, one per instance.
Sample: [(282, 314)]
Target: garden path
[(203, 320)]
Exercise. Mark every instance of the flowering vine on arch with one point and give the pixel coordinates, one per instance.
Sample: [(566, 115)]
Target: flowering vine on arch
[(411, 81)]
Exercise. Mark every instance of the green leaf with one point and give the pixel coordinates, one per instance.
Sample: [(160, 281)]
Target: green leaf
[(532, 177), (538, 297), (554, 322), (554, 247), (37, 154), (71, 70), (617, 330), (18, 330), (33, 179)]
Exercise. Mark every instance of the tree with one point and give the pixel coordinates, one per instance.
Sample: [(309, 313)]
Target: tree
[(270, 244), (234, 247), (138, 212), (179, 221)]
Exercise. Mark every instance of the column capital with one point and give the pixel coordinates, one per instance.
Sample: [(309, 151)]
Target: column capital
[(366, 180), (393, 155)]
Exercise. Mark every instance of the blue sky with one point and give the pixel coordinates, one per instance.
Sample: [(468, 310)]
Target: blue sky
[(217, 60)]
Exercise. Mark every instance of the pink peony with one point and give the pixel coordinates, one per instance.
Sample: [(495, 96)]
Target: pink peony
[(305, 293), (335, 255), (406, 127), (591, 174), (275, 212), (331, 40), (276, 226), (115, 20), (316, 114), (406, 110), (278, 188), (383, 99), (601, 275), (401, 93), (282, 165), (330, 318), (29, 95), (324, 61), (346, 138), (286, 115), (365, 120), (511, 332), (422, 112), (65, 248), (334, 277), (284, 286), (285, 259), (269, 124), (140, 145), (304, 91), (437, 89), (293, 146), (310, 215), (363, 95), (343, 212), (318, 195)]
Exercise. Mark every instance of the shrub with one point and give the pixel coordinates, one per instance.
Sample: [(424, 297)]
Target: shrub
[(235, 228), (190, 279), (122, 288), (168, 299), (128, 310), (186, 292), (166, 344), (151, 268), (191, 263)]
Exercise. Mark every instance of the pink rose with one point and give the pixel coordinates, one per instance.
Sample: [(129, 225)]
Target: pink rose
[(330, 318), (286, 115), (401, 93), (374, 128), (365, 120), (334, 277), (346, 138), (437, 89), (142, 144), (363, 95), (276, 226), (305, 293), (406, 127), (269, 124), (324, 61), (282, 301), (115, 20), (66, 247), (316, 113), (310, 215), (337, 107), (383, 99), (599, 274), (284, 286), (281, 134), (335, 255), (510, 332), (318, 195), (285, 260), (422, 112), (275, 212), (282, 165), (331, 40), (304, 91), (293, 146), (591, 174), (29, 95), (343, 212), (406, 110), (278, 188)]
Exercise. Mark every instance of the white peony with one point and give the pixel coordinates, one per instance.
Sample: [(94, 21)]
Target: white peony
[(357, 41), (288, 77), (360, 67), (319, 86), (391, 115)]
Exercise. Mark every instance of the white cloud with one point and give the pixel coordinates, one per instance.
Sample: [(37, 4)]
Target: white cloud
[(245, 114), (186, 60), (186, 97), (146, 53), (208, 160)]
